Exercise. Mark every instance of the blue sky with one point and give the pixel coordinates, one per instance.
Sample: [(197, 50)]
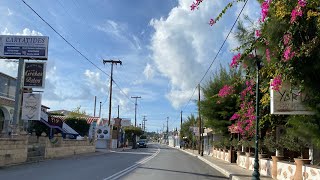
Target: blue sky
[(165, 49)]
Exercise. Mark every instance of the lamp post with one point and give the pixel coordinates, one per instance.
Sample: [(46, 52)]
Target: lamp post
[(256, 174)]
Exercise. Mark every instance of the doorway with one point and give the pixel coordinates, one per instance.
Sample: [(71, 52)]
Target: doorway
[(1, 120)]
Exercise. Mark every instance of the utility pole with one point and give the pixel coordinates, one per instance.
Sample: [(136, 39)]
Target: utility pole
[(163, 134), (200, 148), (118, 111), (135, 110), (18, 97), (135, 121), (180, 127), (95, 104), (111, 79), (144, 123), (167, 130), (100, 110)]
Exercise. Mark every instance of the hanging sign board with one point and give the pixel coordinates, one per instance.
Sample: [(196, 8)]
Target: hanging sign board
[(34, 75), (125, 122), (25, 47), (289, 100), (31, 106), (194, 130)]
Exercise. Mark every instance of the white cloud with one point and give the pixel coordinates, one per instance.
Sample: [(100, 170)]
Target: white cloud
[(148, 71), (25, 32), (184, 45), (94, 80), (120, 32), (10, 12), (113, 28), (10, 67)]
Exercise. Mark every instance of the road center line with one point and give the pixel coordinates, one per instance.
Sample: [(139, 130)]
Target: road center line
[(135, 153), (131, 168)]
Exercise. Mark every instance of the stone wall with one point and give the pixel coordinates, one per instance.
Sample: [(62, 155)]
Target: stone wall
[(13, 150), (59, 147), (265, 167)]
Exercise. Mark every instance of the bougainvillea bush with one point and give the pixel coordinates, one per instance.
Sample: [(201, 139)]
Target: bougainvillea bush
[(285, 39)]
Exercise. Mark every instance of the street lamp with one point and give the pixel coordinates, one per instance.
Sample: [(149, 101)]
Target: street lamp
[(256, 174)]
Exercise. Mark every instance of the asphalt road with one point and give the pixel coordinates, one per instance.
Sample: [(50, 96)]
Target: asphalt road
[(157, 162)]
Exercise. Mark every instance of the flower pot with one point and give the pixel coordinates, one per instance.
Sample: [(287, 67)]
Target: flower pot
[(299, 163)]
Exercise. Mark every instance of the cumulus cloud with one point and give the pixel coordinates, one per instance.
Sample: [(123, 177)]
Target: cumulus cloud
[(94, 80), (25, 32), (148, 71), (183, 44), (10, 67)]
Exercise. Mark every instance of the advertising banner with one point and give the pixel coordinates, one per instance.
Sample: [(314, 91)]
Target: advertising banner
[(34, 75), (288, 100), (31, 106), (26, 47)]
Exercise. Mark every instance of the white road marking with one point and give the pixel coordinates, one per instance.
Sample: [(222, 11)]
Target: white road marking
[(134, 153), (131, 168)]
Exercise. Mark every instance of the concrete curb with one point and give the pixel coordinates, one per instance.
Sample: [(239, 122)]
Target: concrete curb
[(221, 170)]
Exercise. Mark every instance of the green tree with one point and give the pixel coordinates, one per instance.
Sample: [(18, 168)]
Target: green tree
[(130, 130), (215, 110), (79, 125), (77, 112), (186, 133)]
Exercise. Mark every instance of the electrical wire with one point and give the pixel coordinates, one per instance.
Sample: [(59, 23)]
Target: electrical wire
[(70, 44), (214, 59)]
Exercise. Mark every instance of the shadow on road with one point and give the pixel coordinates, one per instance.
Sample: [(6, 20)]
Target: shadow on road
[(197, 174)]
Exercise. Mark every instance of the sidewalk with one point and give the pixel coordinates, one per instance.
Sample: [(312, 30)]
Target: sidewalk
[(230, 170)]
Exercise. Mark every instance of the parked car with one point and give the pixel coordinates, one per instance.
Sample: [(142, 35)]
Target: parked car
[(142, 143)]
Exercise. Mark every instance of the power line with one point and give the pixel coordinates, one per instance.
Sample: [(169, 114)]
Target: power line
[(214, 59), (245, 3), (70, 44)]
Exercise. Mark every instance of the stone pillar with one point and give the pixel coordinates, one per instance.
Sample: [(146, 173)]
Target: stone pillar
[(248, 154), (274, 171), (299, 164)]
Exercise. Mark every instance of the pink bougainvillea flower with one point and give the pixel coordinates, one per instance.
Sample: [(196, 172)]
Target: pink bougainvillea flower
[(235, 116), (225, 91), (302, 3), (297, 11), (265, 10), (235, 60), (287, 39), (268, 55), (193, 6), (212, 22), (288, 54), (276, 83), (258, 33)]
